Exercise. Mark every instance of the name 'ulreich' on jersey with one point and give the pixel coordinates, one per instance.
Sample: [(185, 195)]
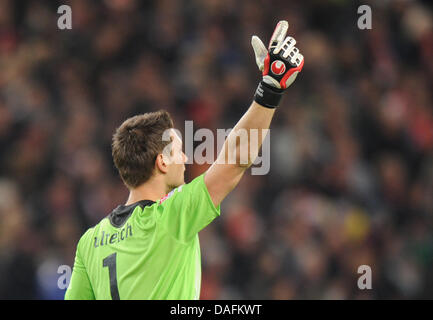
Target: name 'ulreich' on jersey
[(116, 237)]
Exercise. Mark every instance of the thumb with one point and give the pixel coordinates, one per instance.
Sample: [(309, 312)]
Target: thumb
[(260, 51)]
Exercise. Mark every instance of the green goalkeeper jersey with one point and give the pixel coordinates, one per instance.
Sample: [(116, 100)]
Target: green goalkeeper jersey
[(146, 250)]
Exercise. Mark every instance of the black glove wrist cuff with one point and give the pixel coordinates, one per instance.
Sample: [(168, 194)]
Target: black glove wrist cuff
[(268, 96)]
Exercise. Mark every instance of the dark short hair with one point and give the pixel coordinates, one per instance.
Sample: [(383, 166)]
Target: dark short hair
[(137, 143)]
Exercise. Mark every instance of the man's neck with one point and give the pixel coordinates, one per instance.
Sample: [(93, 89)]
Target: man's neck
[(153, 190)]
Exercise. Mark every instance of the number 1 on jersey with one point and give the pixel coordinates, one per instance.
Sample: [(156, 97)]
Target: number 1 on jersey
[(110, 262)]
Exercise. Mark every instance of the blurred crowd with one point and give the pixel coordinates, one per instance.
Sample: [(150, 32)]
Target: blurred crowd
[(351, 174)]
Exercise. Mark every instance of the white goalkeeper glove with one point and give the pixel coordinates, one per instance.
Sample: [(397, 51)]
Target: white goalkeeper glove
[(279, 65)]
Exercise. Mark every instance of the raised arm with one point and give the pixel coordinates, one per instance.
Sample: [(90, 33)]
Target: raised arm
[(280, 66)]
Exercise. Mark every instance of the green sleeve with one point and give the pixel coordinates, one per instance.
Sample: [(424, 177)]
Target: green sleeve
[(79, 286), (187, 209)]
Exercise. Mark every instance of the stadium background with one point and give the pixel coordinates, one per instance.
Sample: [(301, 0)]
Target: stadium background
[(351, 175)]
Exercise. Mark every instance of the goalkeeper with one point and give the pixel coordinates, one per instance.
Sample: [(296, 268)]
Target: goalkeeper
[(149, 248)]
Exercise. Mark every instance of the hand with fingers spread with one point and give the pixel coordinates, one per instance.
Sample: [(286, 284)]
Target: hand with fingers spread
[(280, 64)]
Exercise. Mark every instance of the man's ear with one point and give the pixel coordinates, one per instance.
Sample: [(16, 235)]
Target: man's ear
[(161, 163)]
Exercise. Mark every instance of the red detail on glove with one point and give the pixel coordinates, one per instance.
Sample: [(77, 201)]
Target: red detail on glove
[(278, 67), (289, 73), (266, 65)]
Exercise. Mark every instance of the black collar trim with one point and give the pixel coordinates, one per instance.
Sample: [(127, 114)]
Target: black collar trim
[(120, 215)]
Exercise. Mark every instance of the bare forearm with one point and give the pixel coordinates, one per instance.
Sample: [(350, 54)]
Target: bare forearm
[(238, 152), (244, 141)]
